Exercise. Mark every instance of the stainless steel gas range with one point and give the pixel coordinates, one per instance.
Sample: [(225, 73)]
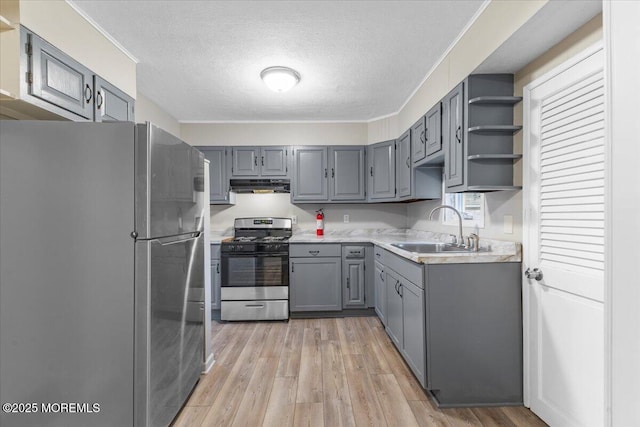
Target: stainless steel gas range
[(255, 270)]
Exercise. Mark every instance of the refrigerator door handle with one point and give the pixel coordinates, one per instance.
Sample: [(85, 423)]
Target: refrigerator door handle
[(172, 240)]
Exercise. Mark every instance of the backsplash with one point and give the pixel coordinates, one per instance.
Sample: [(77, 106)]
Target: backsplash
[(382, 215), (498, 204)]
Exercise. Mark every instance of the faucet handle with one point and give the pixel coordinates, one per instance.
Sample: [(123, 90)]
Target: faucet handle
[(454, 239), (474, 241)]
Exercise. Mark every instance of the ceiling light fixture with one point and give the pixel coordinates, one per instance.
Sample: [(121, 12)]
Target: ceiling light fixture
[(280, 79)]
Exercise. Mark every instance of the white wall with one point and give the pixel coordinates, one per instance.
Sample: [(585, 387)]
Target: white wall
[(391, 215), (148, 111), (294, 133)]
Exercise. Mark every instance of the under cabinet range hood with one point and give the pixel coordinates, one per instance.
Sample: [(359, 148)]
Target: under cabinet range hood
[(260, 186)]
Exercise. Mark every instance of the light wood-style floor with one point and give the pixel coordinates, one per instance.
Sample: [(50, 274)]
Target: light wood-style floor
[(320, 372)]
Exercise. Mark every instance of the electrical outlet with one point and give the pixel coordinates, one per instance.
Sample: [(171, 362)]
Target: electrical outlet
[(346, 218), (507, 225), (294, 219)]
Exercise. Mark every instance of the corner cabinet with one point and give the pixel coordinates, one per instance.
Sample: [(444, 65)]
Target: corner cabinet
[(218, 176), (323, 174)]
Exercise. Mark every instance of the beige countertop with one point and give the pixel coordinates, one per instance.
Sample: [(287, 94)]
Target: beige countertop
[(499, 250)]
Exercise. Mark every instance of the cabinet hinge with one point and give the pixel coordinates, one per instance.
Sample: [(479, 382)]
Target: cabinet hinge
[(29, 49), (29, 77)]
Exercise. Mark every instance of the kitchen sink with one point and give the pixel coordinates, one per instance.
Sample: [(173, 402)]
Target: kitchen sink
[(430, 248)]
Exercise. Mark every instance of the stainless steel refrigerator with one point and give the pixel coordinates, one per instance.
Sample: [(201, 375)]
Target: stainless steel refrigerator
[(101, 273)]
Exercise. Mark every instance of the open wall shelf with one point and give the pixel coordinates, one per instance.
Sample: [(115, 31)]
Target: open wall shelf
[(509, 157), (495, 129), (495, 100)]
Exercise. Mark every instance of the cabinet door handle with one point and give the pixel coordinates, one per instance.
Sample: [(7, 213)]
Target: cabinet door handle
[(262, 161), (458, 136), (217, 268), (422, 137), (314, 253), (381, 275), (88, 93), (99, 100), (325, 172), (407, 162), (347, 283), (333, 173), (426, 136), (292, 268), (397, 284), (400, 292), (371, 170), (255, 161)]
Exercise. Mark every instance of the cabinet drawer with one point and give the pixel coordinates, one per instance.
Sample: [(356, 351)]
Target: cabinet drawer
[(353, 252), (314, 250), (215, 251), (408, 269), (378, 254)]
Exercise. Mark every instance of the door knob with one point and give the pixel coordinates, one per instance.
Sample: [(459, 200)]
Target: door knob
[(535, 274)]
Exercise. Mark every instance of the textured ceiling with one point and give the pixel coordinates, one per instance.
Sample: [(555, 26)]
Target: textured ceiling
[(201, 60)]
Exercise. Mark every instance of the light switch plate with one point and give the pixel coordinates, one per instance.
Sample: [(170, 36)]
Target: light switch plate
[(294, 219), (346, 218), (508, 224)]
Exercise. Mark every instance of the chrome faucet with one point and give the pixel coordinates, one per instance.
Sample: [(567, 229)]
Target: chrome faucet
[(460, 238)]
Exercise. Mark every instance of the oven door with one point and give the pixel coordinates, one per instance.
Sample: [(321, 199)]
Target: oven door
[(254, 270)]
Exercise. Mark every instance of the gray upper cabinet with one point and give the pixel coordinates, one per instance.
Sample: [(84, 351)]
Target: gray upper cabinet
[(56, 78), (322, 174), (433, 133), (274, 161), (254, 162), (111, 104), (418, 141), (58, 83), (218, 177), (245, 161), (381, 171), (347, 179), (310, 172), (403, 165), (453, 136)]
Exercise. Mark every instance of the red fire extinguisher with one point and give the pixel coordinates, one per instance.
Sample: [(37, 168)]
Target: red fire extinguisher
[(319, 223)]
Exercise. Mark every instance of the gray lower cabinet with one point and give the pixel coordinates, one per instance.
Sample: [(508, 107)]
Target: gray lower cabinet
[(56, 82), (111, 104), (315, 283), (218, 177), (474, 333), (380, 292), (215, 277), (405, 321), (353, 276), (381, 171)]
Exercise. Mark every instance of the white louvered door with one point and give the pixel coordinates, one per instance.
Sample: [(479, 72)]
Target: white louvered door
[(564, 239)]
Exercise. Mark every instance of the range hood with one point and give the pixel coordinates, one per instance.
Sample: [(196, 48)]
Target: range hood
[(260, 186)]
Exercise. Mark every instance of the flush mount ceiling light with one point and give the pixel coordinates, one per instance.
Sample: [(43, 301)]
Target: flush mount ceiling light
[(280, 79)]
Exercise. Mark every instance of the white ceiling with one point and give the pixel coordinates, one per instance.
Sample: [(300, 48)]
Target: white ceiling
[(201, 60)]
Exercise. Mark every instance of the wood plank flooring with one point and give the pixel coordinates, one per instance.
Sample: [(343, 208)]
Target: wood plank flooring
[(320, 372)]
